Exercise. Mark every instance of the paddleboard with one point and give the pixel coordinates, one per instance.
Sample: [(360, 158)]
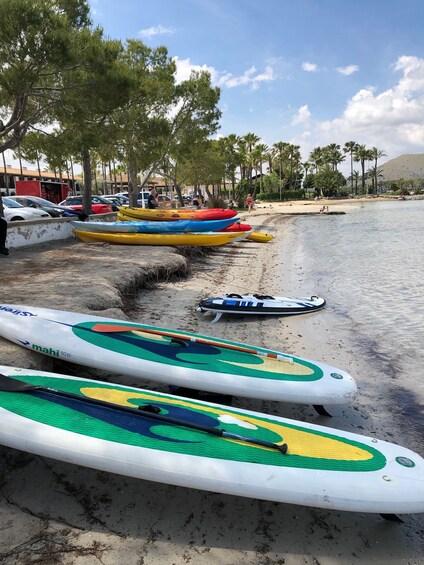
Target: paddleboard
[(259, 305), (175, 357), (118, 429), (175, 226), (203, 239)]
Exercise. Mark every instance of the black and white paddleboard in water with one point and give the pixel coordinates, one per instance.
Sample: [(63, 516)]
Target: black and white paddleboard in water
[(259, 304)]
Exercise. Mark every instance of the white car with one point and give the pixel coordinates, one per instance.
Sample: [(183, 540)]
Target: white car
[(13, 211)]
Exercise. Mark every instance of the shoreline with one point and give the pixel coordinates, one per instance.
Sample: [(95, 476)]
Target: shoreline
[(91, 516)]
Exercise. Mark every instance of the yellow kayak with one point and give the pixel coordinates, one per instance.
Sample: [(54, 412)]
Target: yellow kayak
[(259, 237), (206, 239)]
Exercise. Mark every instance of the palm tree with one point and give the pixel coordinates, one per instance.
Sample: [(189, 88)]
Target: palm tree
[(251, 140), (334, 155), (317, 158), (279, 150), (228, 147), (354, 178), (294, 160), (376, 154), (349, 147), (362, 154), (374, 174), (260, 153)]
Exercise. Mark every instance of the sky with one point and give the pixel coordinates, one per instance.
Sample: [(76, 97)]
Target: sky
[(307, 72)]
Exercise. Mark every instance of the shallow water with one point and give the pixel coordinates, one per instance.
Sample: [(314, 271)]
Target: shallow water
[(369, 265)]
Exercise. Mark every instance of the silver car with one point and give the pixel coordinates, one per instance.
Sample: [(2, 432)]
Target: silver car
[(13, 211)]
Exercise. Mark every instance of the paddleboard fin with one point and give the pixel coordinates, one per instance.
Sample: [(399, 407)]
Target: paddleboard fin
[(217, 317), (392, 517), (322, 411)]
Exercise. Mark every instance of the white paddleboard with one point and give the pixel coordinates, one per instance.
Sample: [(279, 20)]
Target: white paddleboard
[(320, 466), (175, 357)]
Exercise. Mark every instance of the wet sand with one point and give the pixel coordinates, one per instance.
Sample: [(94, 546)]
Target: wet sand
[(81, 516)]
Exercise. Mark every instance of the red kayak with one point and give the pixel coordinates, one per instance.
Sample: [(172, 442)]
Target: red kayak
[(214, 214), (176, 214), (238, 227)]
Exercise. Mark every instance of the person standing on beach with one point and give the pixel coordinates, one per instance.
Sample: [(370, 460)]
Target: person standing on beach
[(249, 202), (152, 203), (3, 233)]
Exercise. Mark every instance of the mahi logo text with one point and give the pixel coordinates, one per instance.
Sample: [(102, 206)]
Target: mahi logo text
[(16, 312), (46, 350)]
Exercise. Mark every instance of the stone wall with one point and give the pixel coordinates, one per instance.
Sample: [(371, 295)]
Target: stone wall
[(32, 232)]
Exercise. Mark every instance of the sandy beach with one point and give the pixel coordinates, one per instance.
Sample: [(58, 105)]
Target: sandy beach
[(53, 512)]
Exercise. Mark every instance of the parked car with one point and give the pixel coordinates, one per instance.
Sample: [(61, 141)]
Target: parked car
[(118, 199), (164, 198), (141, 198), (13, 211), (52, 209), (98, 204)]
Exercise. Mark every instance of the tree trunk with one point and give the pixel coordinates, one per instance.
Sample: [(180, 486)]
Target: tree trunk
[(87, 171), (132, 180), (6, 176)]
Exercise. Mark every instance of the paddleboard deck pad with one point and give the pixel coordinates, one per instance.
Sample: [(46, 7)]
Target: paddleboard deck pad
[(175, 357), (260, 305), (112, 428)]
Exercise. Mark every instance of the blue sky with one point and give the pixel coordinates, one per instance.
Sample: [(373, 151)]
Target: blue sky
[(309, 72)]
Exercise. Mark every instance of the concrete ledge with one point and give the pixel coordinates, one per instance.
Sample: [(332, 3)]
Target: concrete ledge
[(32, 232)]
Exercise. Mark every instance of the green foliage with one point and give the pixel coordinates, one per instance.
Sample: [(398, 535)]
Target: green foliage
[(327, 182), (285, 195), (216, 202), (41, 43), (205, 166)]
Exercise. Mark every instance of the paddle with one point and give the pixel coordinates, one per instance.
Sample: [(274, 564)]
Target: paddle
[(104, 328), (9, 384)]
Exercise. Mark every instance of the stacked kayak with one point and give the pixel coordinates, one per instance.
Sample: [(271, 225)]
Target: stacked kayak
[(237, 226), (176, 226), (174, 440), (175, 357), (203, 239), (177, 214), (137, 227)]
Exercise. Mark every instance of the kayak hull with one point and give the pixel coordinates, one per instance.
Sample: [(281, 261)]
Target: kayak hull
[(176, 226), (204, 239)]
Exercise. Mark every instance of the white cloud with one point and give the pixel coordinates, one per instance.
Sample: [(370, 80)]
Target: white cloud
[(392, 120), (310, 67), (184, 69), (250, 77), (156, 30), (348, 70), (302, 115)]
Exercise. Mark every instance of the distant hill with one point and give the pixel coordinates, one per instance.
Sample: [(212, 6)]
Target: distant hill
[(403, 167)]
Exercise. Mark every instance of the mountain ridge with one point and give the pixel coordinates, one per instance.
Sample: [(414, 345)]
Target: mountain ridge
[(408, 166)]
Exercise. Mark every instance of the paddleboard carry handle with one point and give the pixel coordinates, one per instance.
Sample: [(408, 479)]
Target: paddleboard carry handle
[(9, 384), (180, 342), (101, 328)]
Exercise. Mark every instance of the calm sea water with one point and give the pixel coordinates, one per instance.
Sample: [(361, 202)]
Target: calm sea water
[(369, 264)]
